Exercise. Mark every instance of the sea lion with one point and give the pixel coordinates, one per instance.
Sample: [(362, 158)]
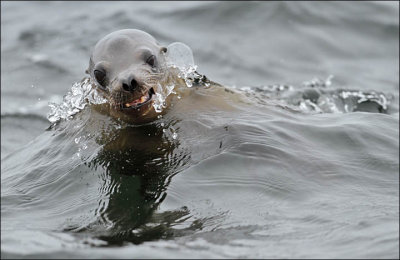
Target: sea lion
[(126, 66), (129, 68)]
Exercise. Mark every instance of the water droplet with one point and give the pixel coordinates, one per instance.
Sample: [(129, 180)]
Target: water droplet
[(77, 139)]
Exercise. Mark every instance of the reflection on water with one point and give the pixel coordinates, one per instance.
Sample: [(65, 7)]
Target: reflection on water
[(137, 166)]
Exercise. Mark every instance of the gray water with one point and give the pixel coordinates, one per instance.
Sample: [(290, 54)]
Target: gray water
[(310, 170)]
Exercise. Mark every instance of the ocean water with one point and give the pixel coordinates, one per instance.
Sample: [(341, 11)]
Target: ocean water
[(308, 169)]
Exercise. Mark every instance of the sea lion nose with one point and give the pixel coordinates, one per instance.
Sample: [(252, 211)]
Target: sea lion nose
[(130, 84)]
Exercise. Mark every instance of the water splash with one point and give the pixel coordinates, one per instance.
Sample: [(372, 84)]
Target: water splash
[(316, 96), (344, 101), (180, 64), (180, 58), (161, 95), (81, 94), (364, 97), (180, 55), (316, 82)]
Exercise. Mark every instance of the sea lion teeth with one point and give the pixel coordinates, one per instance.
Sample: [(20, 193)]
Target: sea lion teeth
[(137, 101)]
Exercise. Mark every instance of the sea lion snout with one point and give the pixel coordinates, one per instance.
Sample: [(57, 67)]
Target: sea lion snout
[(128, 84)]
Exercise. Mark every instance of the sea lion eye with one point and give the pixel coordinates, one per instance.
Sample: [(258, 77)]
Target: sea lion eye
[(100, 76), (151, 60)]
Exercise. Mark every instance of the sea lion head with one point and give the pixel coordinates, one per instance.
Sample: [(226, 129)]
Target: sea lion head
[(127, 66)]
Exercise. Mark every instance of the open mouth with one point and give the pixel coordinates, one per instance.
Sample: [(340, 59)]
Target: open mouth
[(143, 100)]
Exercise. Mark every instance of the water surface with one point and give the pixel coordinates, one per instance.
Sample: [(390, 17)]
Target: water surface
[(308, 169)]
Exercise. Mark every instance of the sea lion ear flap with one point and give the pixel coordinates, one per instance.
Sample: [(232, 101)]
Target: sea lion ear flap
[(91, 65), (164, 49)]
